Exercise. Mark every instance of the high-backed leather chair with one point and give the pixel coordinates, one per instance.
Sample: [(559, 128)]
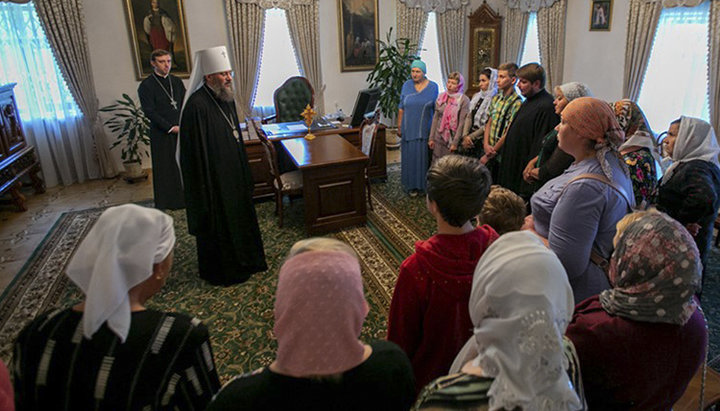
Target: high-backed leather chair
[(291, 98)]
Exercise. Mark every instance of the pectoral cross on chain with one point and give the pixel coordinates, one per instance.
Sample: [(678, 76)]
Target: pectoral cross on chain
[(173, 103)]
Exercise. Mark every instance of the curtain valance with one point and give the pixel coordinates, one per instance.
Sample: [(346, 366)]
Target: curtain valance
[(530, 5), (279, 4), (437, 6)]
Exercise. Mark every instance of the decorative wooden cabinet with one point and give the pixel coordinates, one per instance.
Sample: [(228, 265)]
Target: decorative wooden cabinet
[(17, 158), (485, 27)]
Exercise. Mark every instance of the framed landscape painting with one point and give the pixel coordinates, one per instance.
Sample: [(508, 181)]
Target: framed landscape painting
[(158, 24), (358, 28)]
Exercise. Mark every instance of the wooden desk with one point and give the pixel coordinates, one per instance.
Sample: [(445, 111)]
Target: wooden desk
[(261, 169), (333, 181)]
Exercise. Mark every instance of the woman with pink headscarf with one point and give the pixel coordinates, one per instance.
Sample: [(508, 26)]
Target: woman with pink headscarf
[(451, 108), (576, 212), (320, 363)]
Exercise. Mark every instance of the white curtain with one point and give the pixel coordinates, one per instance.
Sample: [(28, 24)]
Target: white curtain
[(527, 6), (303, 20), (246, 24), (514, 28), (714, 64), (642, 24), (52, 120), (411, 22), (451, 38), (551, 33)]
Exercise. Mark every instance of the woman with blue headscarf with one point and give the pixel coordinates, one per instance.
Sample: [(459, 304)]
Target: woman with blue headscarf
[(415, 114)]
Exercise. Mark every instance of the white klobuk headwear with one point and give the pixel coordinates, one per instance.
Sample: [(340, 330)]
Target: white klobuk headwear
[(117, 254), (208, 61)]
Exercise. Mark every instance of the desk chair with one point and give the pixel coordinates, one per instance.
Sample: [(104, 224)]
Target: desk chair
[(291, 98), (290, 183), (368, 131)]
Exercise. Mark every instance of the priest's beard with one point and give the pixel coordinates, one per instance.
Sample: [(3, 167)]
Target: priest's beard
[(222, 91)]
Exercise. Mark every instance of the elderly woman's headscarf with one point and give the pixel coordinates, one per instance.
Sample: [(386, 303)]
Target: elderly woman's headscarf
[(483, 112), (520, 305), (319, 312), (655, 270), (574, 90), (116, 255), (636, 127), (695, 141), (419, 64), (593, 119)]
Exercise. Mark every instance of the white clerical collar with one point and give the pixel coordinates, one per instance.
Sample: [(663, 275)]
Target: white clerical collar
[(165, 76)]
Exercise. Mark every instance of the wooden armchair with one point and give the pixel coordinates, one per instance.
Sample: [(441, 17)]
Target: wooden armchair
[(368, 132), (290, 183)]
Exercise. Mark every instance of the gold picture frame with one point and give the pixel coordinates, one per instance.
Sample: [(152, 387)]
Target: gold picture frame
[(158, 24), (358, 32), (600, 15)]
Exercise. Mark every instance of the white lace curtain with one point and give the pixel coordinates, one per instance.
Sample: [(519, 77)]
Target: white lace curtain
[(526, 6)]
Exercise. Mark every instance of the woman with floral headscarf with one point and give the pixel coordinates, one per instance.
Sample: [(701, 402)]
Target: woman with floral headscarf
[(552, 161), (576, 212), (517, 358), (451, 107), (640, 150), (690, 189), (471, 143), (320, 363), (642, 341)]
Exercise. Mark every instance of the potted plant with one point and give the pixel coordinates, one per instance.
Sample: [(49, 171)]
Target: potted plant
[(390, 73), (133, 130)]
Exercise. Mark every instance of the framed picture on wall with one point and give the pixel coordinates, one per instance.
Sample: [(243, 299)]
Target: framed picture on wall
[(358, 28), (158, 24), (600, 15)]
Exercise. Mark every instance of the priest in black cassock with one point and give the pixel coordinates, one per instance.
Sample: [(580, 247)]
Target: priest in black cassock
[(216, 175), (535, 118), (161, 94)]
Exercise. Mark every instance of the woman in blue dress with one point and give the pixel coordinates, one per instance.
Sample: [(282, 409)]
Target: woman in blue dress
[(415, 114)]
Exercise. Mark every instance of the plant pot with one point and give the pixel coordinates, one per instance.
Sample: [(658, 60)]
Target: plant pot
[(392, 141), (133, 171)]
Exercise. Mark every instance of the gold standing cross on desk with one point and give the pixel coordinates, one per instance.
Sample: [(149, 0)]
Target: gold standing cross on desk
[(308, 114)]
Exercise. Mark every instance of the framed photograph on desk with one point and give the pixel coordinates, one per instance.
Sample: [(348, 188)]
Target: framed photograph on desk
[(358, 28)]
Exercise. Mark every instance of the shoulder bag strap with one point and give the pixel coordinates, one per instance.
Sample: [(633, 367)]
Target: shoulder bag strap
[(595, 257)]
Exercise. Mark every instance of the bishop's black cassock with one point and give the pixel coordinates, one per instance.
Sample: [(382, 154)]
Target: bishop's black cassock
[(155, 99), (218, 191)]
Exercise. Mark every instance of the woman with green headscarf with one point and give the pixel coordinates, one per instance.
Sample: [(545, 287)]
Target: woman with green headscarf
[(415, 114)]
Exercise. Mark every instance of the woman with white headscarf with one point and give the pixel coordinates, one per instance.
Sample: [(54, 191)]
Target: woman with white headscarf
[(110, 352), (520, 305), (471, 143), (320, 363), (552, 161), (690, 189), (641, 341)]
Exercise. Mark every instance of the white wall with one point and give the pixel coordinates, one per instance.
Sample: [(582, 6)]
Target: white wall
[(342, 87)]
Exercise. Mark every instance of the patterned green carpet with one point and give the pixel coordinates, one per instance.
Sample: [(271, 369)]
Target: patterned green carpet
[(240, 318)]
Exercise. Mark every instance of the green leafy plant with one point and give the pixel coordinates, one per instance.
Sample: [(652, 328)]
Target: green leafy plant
[(131, 126), (391, 71)]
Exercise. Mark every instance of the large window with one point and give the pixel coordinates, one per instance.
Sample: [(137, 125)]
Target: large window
[(278, 61), (676, 81), (430, 52), (26, 59), (531, 51)]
